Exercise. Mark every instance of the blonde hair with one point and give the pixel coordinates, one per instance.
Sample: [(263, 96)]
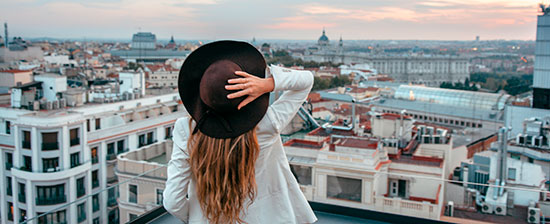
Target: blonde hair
[(223, 170)]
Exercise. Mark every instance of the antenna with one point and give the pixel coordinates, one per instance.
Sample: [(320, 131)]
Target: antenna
[(6, 42)]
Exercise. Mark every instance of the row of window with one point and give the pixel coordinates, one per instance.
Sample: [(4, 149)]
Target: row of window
[(439, 120), (133, 194), (49, 139), (48, 164)]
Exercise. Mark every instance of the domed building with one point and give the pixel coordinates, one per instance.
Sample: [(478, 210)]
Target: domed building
[(323, 40)]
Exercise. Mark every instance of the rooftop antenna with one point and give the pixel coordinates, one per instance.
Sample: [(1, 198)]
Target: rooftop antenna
[(6, 40)]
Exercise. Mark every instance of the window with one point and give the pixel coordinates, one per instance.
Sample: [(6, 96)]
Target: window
[(515, 156), (75, 140), (54, 217), (132, 217), (80, 187), (141, 140), (511, 173), (8, 186), (9, 160), (88, 125), (168, 132), (22, 195), (26, 144), (50, 195), (97, 124), (49, 141), (22, 215), (398, 188), (8, 127), (132, 196), (530, 160), (50, 164), (150, 138), (302, 174), (159, 196), (344, 188), (81, 211), (27, 163), (96, 221), (75, 159), (95, 203), (10, 211), (95, 158), (95, 179), (111, 148), (120, 146)]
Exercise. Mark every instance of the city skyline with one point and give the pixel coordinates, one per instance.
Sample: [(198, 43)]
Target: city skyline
[(218, 19)]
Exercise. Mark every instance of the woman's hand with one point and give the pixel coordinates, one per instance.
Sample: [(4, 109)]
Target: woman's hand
[(250, 85)]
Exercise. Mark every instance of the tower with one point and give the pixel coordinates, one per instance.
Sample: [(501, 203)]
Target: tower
[(6, 35), (541, 77)]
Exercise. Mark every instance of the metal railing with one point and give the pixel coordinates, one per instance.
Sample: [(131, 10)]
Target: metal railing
[(50, 145), (51, 200), (75, 141)]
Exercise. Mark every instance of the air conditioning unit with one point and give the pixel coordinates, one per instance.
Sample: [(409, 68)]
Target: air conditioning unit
[(500, 209), (533, 215), (487, 208), (450, 209)]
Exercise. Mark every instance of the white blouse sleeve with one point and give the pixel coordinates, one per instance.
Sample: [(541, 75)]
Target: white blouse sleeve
[(295, 86), (175, 200)]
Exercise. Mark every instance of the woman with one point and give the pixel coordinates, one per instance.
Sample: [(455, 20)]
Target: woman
[(228, 163)]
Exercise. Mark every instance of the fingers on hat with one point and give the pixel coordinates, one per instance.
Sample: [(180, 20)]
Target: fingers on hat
[(243, 92), (234, 87), (237, 80), (242, 73), (245, 102)]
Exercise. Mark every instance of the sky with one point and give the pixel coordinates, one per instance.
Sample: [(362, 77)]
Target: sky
[(281, 19)]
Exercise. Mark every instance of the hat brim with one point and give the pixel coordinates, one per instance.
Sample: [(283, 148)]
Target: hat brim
[(191, 72)]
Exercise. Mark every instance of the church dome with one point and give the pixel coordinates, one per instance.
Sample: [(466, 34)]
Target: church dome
[(323, 40)]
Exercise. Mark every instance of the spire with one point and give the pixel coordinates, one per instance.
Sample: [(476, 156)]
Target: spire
[(172, 39), (323, 30)]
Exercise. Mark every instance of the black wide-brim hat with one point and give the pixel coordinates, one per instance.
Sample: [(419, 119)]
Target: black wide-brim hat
[(201, 86)]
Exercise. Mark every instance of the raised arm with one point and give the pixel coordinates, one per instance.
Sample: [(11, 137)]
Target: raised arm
[(179, 173), (295, 86)]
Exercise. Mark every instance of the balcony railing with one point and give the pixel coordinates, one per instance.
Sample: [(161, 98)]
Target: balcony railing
[(75, 141), (81, 191), (26, 168), (81, 217), (111, 180), (122, 151), (26, 144), (50, 145), (110, 157), (8, 166), (22, 198), (111, 202), (51, 200), (95, 183)]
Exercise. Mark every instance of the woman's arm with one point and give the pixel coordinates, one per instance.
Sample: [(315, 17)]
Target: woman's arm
[(179, 173)]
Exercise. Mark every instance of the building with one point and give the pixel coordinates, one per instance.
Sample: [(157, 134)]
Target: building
[(144, 48), (541, 76), (135, 192), (14, 77), (162, 76), (61, 154)]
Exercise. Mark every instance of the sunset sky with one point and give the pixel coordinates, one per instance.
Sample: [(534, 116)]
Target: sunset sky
[(281, 19)]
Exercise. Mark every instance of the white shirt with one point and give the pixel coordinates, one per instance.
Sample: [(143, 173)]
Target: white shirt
[(279, 198)]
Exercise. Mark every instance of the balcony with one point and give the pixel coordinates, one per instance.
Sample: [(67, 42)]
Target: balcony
[(22, 198), (122, 151), (8, 166), (26, 144), (81, 191), (75, 141), (50, 145), (111, 202), (110, 157), (26, 168), (51, 200), (81, 217), (112, 179)]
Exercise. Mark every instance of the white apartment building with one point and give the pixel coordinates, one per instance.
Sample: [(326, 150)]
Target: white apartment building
[(142, 194), (54, 157), (163, 77)]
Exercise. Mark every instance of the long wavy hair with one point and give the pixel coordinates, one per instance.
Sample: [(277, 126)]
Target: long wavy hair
[(223, 170)]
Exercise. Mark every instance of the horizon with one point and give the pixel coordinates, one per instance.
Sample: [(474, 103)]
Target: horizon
[(445, 20)]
